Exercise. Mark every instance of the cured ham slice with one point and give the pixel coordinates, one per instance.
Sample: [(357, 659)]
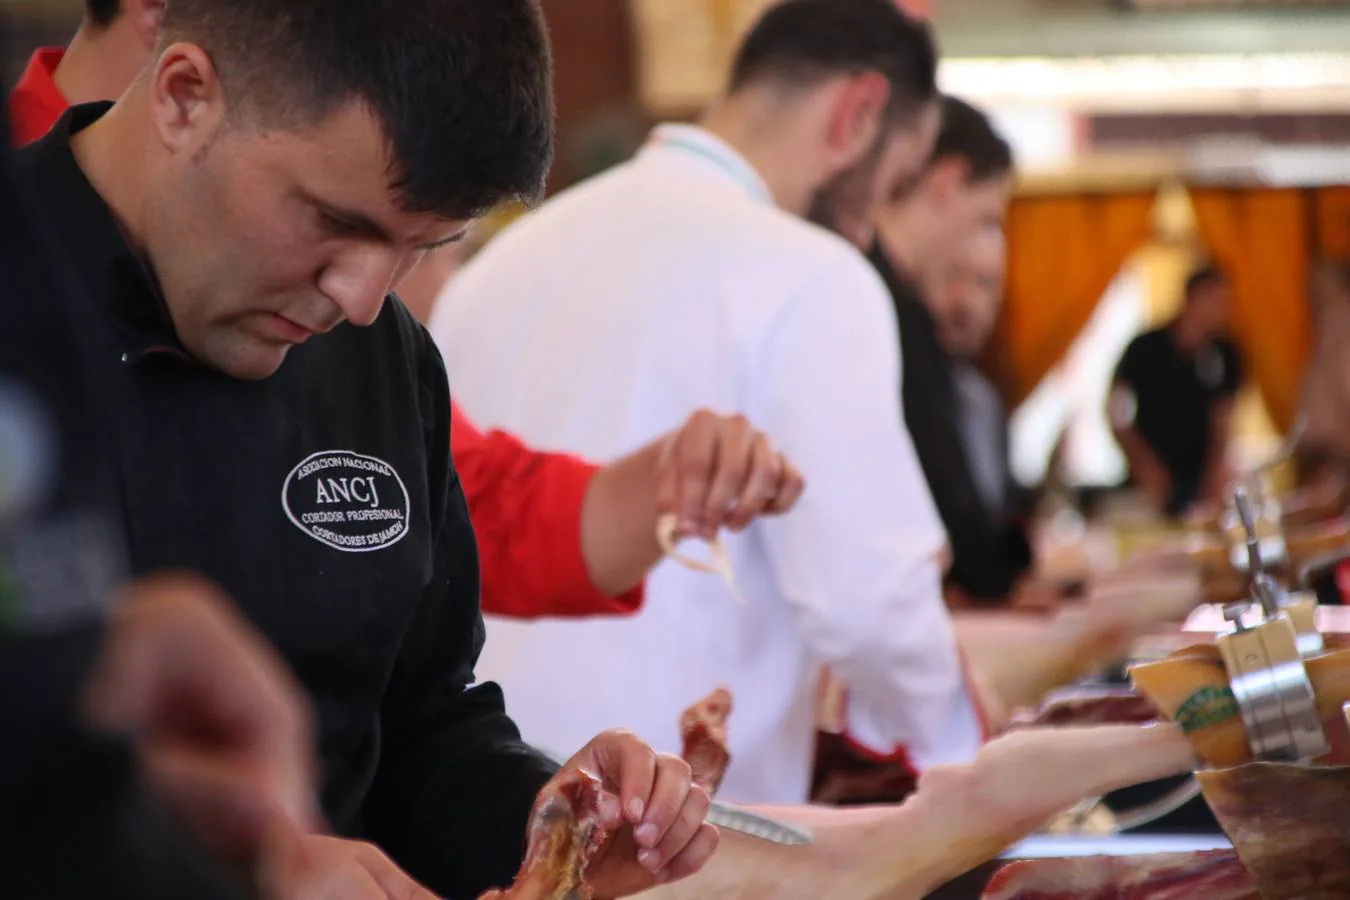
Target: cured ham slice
[(1212, 875), (703, 728), (565, 832), (1289, 824), (1089, 706)]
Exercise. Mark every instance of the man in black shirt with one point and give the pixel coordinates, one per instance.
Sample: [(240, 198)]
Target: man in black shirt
[(237, 219), (925, 232), (1171, 403), (230, 750)]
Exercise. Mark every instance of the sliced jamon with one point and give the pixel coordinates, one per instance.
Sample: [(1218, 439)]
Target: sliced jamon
[(1212, 875), (704, 730)]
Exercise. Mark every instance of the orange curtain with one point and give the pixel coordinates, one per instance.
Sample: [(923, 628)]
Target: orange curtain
[(1261, 238), (1333, 222), (1063, 253)]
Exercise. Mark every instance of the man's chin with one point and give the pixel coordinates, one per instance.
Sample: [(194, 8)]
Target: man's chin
[(255, 364)]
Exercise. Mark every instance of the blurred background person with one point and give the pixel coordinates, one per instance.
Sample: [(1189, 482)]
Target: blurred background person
[(940, 249), (1324, 453), (1172, 398)]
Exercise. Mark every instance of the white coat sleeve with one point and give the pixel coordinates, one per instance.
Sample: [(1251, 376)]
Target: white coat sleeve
[(859, 557)]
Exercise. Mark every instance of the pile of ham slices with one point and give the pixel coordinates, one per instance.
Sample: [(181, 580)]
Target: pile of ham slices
[(1289, 824)]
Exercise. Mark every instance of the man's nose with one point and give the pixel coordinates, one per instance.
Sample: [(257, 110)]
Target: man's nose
[(360, 278)]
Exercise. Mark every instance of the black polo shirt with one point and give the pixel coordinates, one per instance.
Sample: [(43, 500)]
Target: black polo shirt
[(1175, 395), (324, 500), (989, 552), (76, 819)]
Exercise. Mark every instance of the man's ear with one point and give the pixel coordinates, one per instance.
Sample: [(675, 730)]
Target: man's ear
[(144, 17), (187, 101), (858, 118)]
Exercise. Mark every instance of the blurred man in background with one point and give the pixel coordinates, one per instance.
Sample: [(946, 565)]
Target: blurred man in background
[(940, 250), (1324, 452), (1172, 397), (693, 276)]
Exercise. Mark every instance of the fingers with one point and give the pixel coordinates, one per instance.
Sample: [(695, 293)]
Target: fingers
[(720, 471), (668, 808), (626, 761), (324, 868), (687, 825), (215, 800), (182, 668), (695, 855), (391, 880), (692, 458), (734, 474)]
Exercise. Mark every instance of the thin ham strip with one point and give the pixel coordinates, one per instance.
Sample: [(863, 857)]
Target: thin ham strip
[(1211, 875), (704, 730)]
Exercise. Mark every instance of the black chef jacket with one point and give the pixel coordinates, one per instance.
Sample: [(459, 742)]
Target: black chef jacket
[(324, 500), (989, 552), (75, 820), (1175, 395)]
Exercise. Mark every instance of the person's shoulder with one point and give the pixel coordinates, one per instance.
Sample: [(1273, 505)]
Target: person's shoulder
[(1147, 343)]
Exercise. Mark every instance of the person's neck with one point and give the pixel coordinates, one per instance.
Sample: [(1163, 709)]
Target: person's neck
[(902, 237), (94, 65), (97, 150), (765, 138)]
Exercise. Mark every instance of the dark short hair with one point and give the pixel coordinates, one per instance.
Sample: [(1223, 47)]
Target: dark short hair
[(967, 134), (800, 42), (102, 13), (462, 88), (1204, 277)]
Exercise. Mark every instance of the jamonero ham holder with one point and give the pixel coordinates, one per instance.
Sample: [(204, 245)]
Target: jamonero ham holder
[(1265, 709)]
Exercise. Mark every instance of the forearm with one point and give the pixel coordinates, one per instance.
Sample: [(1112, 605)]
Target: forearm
[(1139, 456), (618, 522), (1022, 657)]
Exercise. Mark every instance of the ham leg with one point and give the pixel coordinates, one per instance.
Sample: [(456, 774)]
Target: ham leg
[(1289, 824), (565, 833)]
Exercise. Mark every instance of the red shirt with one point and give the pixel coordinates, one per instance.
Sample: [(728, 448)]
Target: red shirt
[(525, 505), (36, 103), (526, 511)]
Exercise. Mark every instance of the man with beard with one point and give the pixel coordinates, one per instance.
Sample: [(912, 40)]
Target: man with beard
[(691, 277)]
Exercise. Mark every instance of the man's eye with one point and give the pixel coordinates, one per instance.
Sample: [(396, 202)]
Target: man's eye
[(335, 226)]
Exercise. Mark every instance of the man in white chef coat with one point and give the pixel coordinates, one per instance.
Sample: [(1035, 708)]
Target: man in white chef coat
[(720, 268)]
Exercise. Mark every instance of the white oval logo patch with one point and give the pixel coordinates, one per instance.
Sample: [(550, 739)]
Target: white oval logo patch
[(348, 501)]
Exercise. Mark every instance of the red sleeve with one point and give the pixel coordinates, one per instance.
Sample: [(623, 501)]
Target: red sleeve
[(526, 512)]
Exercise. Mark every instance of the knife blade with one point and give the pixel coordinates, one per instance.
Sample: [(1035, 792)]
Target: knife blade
[(733, 818)]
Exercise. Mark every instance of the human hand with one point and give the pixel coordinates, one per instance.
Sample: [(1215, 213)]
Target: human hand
[(719, 471), (654, 811), (315, 867), (1155, 483), (222, 730)]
